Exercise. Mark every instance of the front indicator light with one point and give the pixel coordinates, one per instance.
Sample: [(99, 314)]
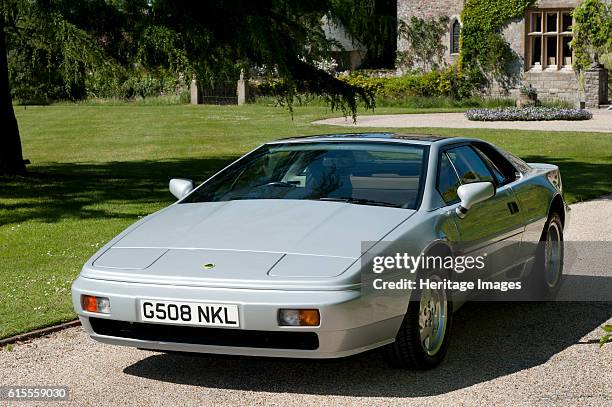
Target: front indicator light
[(99, 305), (299, 317)]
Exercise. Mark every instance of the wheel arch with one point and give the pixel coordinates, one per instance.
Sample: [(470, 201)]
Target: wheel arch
[(439, 247), (557, 205)]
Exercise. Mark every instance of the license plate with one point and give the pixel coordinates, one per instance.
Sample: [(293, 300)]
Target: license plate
[(189, 313)]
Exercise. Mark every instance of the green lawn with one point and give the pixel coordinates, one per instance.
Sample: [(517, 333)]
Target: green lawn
[(96, 169)]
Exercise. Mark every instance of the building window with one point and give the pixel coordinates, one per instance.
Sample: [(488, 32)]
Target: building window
[(549, 33), (455, 32)]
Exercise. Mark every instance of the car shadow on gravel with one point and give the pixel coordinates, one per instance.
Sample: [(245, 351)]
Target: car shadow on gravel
[(490, 340)]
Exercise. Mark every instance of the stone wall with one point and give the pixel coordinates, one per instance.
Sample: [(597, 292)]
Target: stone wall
[(514, 33), (596, 86), (555, 85), (551, 84), (430, 9), (557, 3)]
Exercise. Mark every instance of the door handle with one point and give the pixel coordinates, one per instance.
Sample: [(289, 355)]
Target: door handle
[(513, 207)]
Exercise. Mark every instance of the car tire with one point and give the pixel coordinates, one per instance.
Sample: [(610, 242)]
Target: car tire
[(546, 278), (409, 350)]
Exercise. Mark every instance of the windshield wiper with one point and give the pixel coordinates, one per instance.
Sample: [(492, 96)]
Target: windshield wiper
[(360, 201), (282, 184), (242, 198), (357, 201)]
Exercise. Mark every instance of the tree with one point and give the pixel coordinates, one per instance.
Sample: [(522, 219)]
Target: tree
[(11, 156), (592, 32), (217, 38), (52, 45), (214, 40), (372, 23)]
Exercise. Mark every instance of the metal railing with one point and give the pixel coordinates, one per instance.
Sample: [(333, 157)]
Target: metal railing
[(223, 93)]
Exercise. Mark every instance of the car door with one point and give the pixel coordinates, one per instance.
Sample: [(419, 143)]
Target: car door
[(492, 228), (532, 200)]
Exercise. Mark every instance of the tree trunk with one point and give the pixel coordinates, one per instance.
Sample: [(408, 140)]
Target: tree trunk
[(11, 158)]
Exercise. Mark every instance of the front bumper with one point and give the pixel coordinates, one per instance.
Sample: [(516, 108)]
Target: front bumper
[(350, 322)]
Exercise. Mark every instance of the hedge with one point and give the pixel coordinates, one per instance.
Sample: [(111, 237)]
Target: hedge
[(447, 82)]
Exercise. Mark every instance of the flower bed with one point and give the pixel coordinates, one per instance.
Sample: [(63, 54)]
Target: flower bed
[(527, 114)]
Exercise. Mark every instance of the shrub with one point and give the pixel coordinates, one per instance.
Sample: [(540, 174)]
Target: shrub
[(268, 89), (447, 82), (177, 99), (559, 103), (607, 337), (447, 88), (485, 54), (374, 85), (527, 114), (529, 90), (592, 32), (443, 102), (121, 83)]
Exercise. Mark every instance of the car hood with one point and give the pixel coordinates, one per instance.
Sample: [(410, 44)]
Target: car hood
[(278, 226), (246, 240)]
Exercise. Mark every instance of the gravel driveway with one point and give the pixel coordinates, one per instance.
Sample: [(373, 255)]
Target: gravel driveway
[(501, 353), (601, 122)]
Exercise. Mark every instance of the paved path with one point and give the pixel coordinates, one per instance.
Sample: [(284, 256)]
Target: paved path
[(601, 122), (519, 354)]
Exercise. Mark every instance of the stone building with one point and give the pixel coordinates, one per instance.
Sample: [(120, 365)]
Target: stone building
[(540, 39), (349, 53)]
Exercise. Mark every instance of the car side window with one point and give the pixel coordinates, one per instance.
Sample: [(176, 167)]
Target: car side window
[(447, 182), (469, 165), (503, 170), (500, 178)]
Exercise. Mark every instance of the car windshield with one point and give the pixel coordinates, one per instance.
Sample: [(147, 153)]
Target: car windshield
[(375, 173)]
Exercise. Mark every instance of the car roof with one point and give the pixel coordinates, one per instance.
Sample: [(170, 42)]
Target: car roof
[(422, 139)]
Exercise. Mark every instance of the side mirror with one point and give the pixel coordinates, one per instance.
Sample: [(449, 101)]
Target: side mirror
[(471, 194), (180, 187)]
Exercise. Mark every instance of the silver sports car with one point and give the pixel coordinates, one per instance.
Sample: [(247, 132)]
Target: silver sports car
[(274, 254)]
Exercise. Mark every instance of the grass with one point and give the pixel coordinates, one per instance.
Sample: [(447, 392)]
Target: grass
[(421, 104), (415, 104), (443, 102), (173, 99), (96, 169)]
